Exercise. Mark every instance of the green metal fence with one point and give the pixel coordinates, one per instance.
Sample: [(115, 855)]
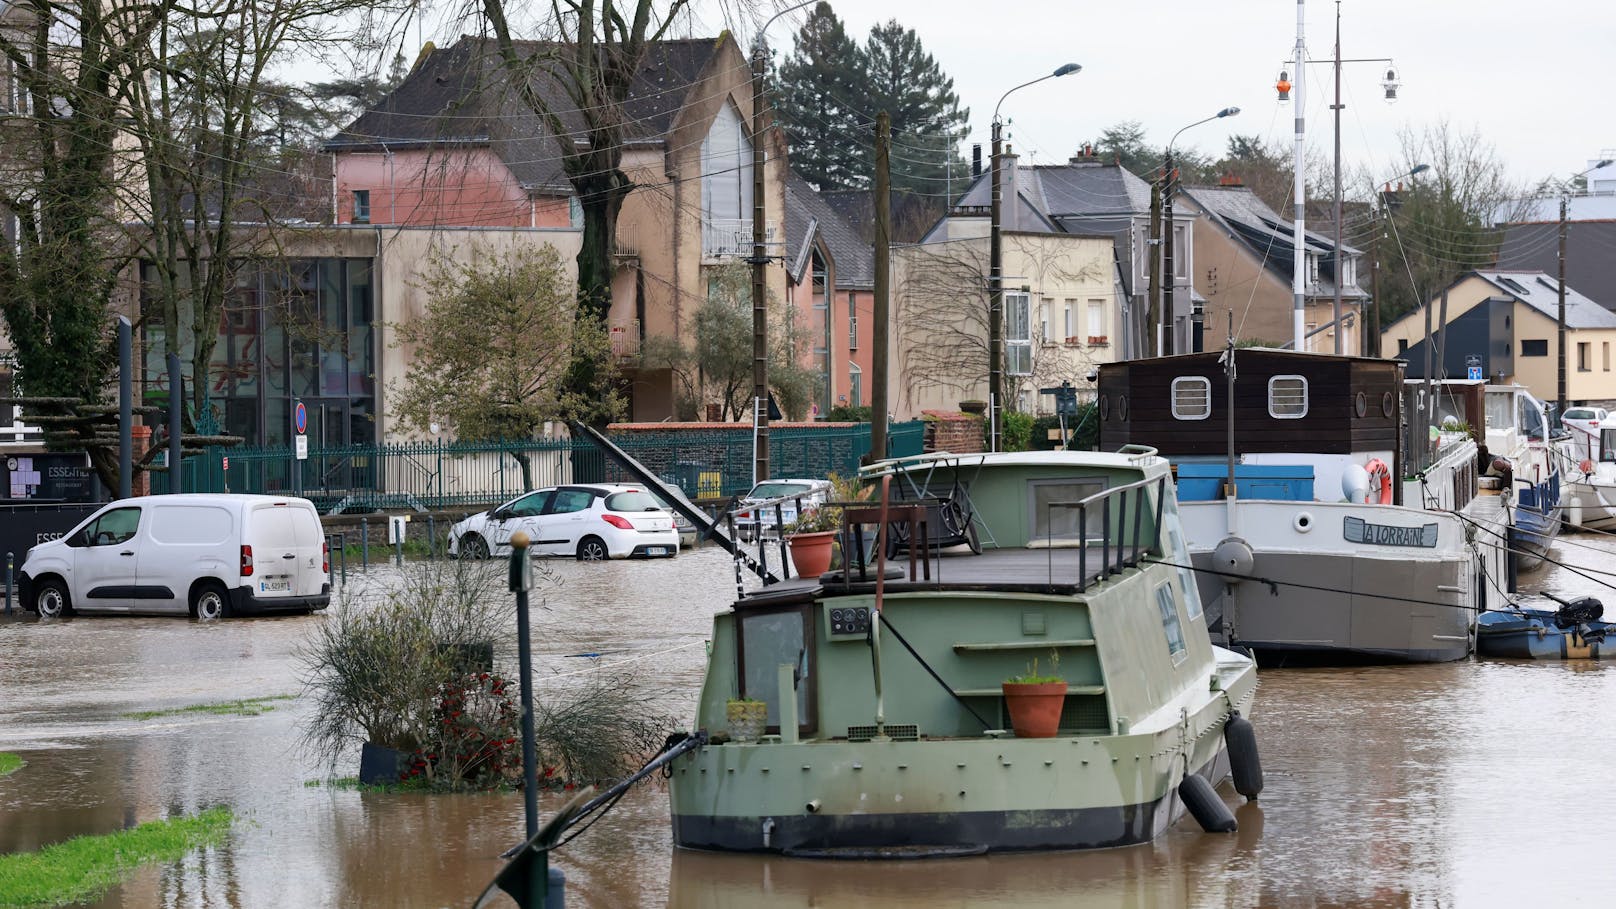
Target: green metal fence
[(705, 463)]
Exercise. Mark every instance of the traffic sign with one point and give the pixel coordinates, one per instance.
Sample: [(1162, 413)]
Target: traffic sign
[(300, 418), (302, 448), (225, 465), (1475, 373)]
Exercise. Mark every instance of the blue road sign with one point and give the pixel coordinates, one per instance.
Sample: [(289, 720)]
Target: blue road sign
[(1475, 373), (300, 419)]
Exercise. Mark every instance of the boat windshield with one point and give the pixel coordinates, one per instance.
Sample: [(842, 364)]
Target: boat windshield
[(1607, 445)]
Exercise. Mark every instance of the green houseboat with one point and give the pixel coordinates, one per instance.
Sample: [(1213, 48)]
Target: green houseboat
[(887, 731)]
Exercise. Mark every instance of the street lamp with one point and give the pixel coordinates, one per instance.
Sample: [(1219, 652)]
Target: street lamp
[(760, 259), (1371, 336), (995, 268), (1564, 198), (1164, 287)]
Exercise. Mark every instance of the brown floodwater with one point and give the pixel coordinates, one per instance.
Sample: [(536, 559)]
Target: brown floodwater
[(1477, 783)]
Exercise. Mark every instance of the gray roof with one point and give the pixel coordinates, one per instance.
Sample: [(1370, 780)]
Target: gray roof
[(1542, 293), (807, 213), (1271, 237), (1590, 246), (1076, 190), (462, 96)]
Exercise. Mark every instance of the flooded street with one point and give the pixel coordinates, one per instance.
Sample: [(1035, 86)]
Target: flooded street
[(1463, 784)]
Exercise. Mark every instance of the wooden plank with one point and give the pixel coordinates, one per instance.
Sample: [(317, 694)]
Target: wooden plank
[(1022, 645), (999, 692)]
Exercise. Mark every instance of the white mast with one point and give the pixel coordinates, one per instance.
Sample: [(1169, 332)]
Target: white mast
[(1299, 272)]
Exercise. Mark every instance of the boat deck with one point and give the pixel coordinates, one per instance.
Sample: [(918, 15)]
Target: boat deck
[(1050, 571)]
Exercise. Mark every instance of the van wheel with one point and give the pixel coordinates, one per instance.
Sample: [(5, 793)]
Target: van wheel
[(474, 547), (591, 549), (51, 601), (210, 602)]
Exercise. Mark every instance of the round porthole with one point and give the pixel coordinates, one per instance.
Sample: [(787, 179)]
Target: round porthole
[(1361, 404), (1105, 407), (1386, 404), (1122, 408), (1303, 522)]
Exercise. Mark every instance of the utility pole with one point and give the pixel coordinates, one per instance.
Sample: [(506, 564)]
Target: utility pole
[(1339, 258), (1371, 346), (759, 261), (1299, 241), (1168, 315), (995, 293), (883, 285), (1561, 327), (1153, 321)]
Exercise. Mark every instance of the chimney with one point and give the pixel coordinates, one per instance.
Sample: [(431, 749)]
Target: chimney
[(976, 160), (1230, 180), (1084, 154), (1009, 192)]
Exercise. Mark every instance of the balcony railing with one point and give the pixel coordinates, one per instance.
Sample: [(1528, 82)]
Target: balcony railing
[(625, 338), (731, 238)]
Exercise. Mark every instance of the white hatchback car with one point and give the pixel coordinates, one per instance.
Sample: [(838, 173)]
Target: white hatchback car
[(589, 521), (1585, 419)]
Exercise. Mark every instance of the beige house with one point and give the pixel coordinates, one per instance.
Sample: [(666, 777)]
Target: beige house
[(1062, 317), (1506, 325), (1243, 265)]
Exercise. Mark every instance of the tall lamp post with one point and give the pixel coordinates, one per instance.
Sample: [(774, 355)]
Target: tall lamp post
[(1169, 187), (995, 268), (1371, 334), (760, 258), (1561, 343)]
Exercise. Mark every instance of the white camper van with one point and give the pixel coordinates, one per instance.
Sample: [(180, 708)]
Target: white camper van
[(207, 555)]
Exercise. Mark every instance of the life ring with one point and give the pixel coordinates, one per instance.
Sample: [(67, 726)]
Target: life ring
[(1377, 468)]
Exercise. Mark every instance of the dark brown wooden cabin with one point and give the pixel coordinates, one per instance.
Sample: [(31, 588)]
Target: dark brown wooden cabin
[(1352, 404)]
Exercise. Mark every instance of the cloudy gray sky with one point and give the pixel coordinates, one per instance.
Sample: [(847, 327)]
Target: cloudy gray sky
[(1530, 77)]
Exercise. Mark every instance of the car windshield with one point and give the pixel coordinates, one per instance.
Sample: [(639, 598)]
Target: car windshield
[(777, 490), (632, 501)]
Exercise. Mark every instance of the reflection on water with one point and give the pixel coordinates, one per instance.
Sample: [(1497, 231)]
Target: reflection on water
[(1465, 784)]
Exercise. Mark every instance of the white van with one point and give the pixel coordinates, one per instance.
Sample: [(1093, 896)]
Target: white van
[(207, 555)]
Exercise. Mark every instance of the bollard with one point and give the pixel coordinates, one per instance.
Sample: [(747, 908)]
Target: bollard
[(521, 581), (364, 543), (431, 536), (10, 560), (344, 538), (398, 550)]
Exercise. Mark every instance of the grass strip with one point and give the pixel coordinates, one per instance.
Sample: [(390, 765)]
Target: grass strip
[(244, 707), (10, 763), (83, 868)]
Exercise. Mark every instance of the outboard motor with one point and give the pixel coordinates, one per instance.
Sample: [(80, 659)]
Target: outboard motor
[(1578, 612)]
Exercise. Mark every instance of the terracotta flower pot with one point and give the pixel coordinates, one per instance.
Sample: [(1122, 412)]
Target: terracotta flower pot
[(1035, 710), (810, 552)]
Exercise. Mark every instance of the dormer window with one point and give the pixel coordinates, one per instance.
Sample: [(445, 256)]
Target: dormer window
[(1312, 268)]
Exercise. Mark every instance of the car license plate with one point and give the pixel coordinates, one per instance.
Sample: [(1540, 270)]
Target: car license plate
[(275, 585), (656, 550)]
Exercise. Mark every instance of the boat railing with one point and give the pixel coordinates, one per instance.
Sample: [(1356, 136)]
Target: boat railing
[(759, 531), (1119, 548)]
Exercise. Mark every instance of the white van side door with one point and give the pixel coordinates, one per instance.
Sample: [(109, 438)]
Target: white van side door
[(184, 542), (106, 562)]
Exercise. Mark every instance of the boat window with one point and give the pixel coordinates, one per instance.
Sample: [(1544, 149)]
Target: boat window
[(1287, 397), (767, 640), (1050, 521), (1170, 624), (1192, 398), (1607, 445), (1179, 556), (1500, 410)]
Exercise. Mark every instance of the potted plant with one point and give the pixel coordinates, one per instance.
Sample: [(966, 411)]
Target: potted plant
[(747, 719), (809, 538), (1034, 701), (973, 405)]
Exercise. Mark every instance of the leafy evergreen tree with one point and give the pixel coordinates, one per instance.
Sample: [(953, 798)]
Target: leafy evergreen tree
[(904, 80), (818, 86)]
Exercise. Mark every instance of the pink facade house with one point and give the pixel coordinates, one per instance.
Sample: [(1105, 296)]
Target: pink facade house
[(831, 283)]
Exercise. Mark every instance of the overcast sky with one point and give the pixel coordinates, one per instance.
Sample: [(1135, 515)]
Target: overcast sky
[(1530, 77)]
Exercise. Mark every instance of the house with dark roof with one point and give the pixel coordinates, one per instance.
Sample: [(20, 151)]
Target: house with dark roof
[(453, 150), (1505, 325), (830, 273), (1590, 252), (1090, 197), (1245, 255)]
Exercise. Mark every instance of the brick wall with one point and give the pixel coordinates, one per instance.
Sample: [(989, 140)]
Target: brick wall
[(952, 431)]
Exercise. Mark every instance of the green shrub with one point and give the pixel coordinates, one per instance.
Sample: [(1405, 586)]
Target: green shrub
[(841, 413), (1015, 430)]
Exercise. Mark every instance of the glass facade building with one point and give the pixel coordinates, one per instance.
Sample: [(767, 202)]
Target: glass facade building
[(292, 329)]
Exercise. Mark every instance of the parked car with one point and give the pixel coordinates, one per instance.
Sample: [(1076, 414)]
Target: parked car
[(589, 521), (1585, 419), (687, 528), (754, 519), (210, 555)]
